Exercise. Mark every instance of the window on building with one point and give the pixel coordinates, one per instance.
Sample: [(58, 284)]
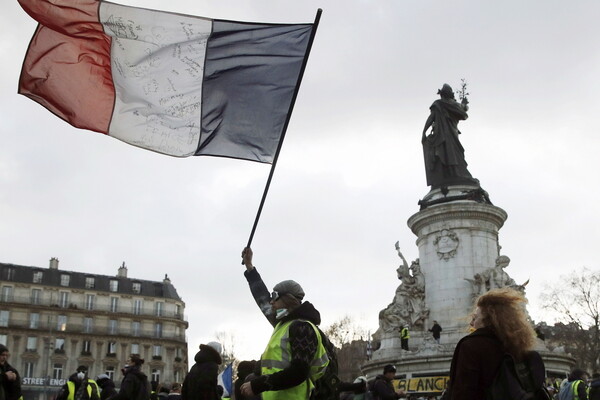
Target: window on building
[(86, 347), (157, 350), (34, 320), (112, 347), (137, 306), (137, 287), (7, 294), (57, 371), (159, 306), (31, 343), (63, 299), (177, 375), (36, 296), (112, 327), (156, 375), (177, 331), (10, 274), (88, 324), (110, 371), (135, 328), (114, 304), (158, 330), (89, 301), (38, 276), (135, 348), (113, 285), (28, 370), (3, 339), (90, 282), (59, 344), (65, 279), (4, 317), (61, 323), (177, 311)]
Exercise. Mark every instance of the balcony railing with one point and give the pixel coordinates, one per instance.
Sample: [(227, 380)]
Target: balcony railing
[(104, 330), (107, 308)]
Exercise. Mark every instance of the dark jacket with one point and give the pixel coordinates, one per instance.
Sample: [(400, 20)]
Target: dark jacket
[(64, 391), (10, 390), (303, 340), (435, 330), (107, 387), (595, 389), (383, 389), (476, 360), (201, 382), (134, 386)]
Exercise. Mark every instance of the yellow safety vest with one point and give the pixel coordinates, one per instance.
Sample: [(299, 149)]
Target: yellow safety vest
[(404, 334), (91, 383), (277, 356)]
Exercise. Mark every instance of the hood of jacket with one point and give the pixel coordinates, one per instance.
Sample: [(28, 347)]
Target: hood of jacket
[(135, 370), (207, 354), (304, 311)]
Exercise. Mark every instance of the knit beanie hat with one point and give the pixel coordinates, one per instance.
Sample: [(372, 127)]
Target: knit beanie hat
[(289, 287)]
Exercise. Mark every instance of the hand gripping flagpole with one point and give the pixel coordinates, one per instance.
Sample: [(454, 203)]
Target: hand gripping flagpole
[(287, 121)]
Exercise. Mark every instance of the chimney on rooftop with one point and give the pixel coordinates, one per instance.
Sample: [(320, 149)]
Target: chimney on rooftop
[(122, 271), (54, 263), (166, 280)]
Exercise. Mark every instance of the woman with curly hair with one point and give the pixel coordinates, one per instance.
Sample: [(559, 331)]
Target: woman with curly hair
[(500, 326)]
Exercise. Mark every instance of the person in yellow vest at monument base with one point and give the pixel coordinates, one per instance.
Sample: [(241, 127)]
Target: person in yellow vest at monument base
[(404, 336), (295, 356), (79, 386)]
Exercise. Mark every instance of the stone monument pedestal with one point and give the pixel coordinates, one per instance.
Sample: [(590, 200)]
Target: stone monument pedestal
[(457, 238)]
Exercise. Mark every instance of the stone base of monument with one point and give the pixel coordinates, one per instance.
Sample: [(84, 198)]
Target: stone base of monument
[(457, 237)]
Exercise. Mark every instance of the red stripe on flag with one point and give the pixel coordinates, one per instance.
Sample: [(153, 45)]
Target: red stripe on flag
[(67, 66)]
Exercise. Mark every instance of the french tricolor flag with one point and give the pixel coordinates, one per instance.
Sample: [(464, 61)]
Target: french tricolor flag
[(175, 84)]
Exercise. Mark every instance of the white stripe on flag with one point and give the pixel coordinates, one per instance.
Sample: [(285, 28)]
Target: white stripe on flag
[(157, 68)]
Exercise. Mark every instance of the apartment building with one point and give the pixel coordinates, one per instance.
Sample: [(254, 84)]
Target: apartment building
[(53, 321)]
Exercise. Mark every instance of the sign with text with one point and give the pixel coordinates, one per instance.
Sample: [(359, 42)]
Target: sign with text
[(43, 382), (423, 384)]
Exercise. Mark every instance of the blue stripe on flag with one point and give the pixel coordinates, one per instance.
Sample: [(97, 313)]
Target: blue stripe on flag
[(250, 75)]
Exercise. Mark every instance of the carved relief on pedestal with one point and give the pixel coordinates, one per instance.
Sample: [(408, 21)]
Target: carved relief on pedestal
[(446, 244)]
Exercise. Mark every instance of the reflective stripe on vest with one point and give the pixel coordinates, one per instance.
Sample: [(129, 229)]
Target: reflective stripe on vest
[(404, 333), (575, 386), (277, 356), (71, 387)]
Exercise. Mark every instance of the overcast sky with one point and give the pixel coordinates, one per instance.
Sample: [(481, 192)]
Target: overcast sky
[(351, 169)]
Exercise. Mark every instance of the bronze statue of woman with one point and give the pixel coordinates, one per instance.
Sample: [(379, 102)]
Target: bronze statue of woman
[(445, 163)]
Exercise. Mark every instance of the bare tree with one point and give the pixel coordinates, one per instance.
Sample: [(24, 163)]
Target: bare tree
[(575, 299), (351, 341), (227, 340), (344, 331)]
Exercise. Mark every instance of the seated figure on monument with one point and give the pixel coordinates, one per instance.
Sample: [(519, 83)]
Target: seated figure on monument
[(445, 163), (408, 306), (495, 278)]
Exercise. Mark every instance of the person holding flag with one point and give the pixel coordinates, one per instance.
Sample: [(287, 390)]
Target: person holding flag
[(295, 356)]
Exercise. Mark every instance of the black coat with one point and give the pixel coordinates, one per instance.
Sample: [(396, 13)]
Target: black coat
[(201, 382), (107, 388), (474, 364), (134, 386), (11, 389)]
